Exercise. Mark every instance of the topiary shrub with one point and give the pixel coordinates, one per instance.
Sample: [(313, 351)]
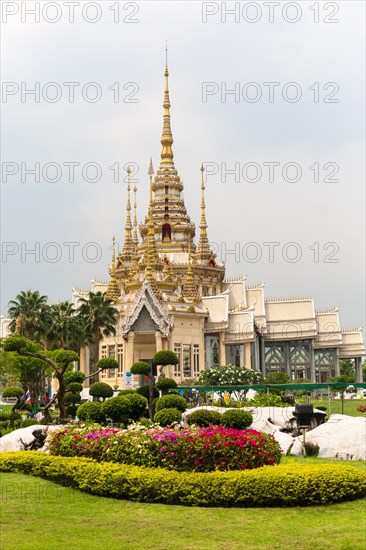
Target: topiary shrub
[(72, 398), (138, 405), (74, 387), (71, 410), (171, 402), (205, 418), (236, 419), (101, 389), (167, 417), (91, 412), (141, 368), (165, 357), (74, 376), (166, 384), (125, 392), (144, 390), (28, 422), (117, 409)]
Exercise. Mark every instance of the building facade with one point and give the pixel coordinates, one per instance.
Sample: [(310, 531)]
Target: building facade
[(172, 293)]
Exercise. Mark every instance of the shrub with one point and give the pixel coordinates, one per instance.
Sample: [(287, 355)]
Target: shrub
[(141, 368), (29, 422), (90, 412), (166, 384), (118, 409), (72, 398), (264, 399), (281, 486), (361, 408), (74, 387), (125, 392), (167, 417), (13, 391), (205, 418), (171, 402), (144, 390), (4, 416), (138, 405), (165, 357), (236, 419), (74, 376), (71, 410), (101, 389)]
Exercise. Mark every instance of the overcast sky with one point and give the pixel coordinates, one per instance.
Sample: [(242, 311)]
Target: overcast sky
[(313, 196)]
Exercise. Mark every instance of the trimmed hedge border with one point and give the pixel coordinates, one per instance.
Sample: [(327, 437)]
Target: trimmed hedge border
[(270, 486)]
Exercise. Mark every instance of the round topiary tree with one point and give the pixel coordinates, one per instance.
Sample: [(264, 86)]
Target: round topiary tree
[(138, 405), (101, 390), (143, 368), (90, 412), (166, 384), (74, 376), (28, 422), (204, 418), (72, 398), (171, 401), (125, 392), (118, 409), (74, 387), (166, 417), (163, 358), (236, 419), (144, 390), (14, 391)]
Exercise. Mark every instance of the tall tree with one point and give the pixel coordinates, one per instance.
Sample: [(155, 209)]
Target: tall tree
[(29, 314), (99, 319), (64, 327)]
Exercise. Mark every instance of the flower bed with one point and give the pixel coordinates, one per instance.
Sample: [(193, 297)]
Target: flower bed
[(193, 450)]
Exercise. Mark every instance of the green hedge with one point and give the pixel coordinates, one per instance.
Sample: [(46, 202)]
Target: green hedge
[(270, 486)]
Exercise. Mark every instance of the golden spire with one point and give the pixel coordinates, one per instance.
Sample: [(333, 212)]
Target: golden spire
[(203, 250), (128, 246), (134, 234), (113, 291), (151, 252), (190, 288), (167, 137)]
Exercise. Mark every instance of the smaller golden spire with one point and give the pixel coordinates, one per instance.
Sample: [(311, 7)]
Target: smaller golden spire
[(128, 246), (134, 234), (203, 250), (190, 288), (113, 290), (167, 137)]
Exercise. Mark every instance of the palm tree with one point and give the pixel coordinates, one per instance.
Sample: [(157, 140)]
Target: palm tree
[(99, 318), (63, 325), (29, 314)]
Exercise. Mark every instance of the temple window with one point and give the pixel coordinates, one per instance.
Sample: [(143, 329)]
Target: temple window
[(166, 233), (196, 359), (187, 368)]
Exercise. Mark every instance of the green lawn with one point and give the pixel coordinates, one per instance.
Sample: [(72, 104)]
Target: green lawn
[(350, 406), (38, 514)]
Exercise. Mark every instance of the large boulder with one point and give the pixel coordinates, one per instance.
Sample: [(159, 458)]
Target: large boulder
[(342, 437), (30, 438)]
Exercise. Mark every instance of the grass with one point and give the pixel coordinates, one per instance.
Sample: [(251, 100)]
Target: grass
[(38, 514), (350, 406)]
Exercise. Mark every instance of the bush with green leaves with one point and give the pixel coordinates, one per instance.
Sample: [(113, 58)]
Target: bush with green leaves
[(74, 376), (264, 399), (101, 389), (236, 419), (171, 402), (166, 384), (204, 418), (138, 405), (283, 486), (29, 422), (141, 368), (118, 409), (90, 412), (74, 387), (72, 398), (125, 392), (167, 417), (13, 391), (144, 390), (165, 357)]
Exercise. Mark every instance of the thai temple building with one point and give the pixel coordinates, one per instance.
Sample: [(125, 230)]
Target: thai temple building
[(172, 293)]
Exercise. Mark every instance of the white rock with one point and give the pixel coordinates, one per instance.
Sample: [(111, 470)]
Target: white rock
[(342, 437), (22, 439)]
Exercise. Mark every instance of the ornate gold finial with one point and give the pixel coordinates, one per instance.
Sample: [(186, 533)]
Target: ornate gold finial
[(203, 250), (167, 137), (190, 288), (128, 246), (135, 239), (113, 290)]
